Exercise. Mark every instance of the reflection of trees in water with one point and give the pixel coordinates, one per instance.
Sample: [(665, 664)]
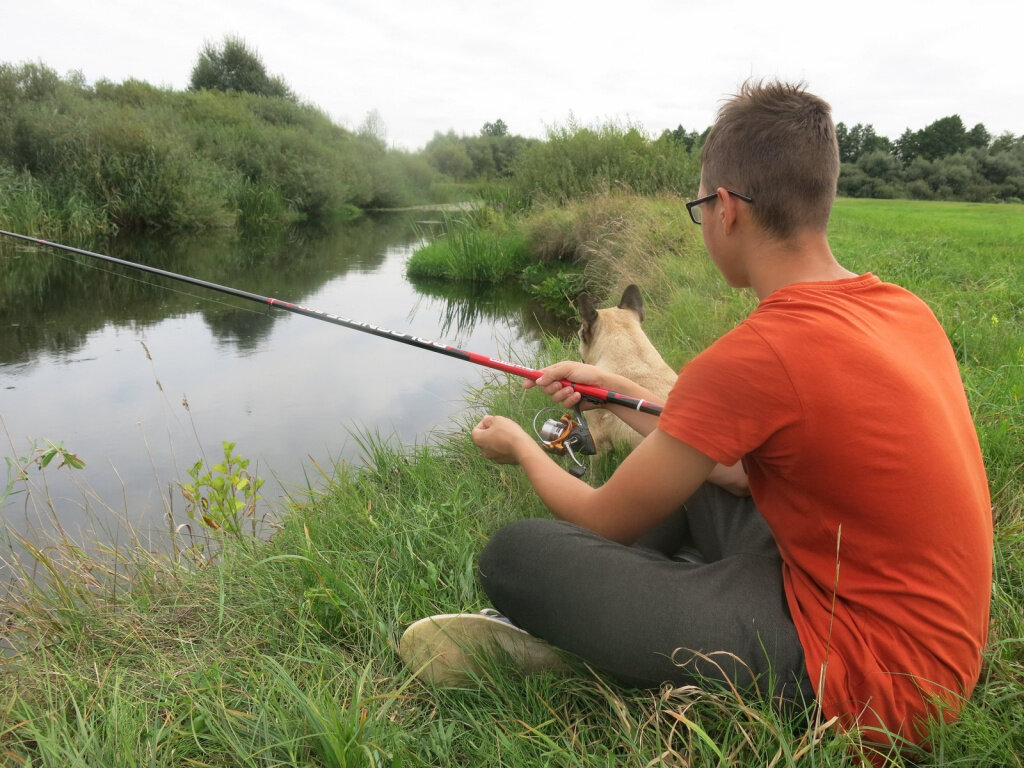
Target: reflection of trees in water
[(465, 306), (51, 301), (242, 328)]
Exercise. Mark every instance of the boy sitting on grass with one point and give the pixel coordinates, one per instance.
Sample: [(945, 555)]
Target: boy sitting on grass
[(809, 514)]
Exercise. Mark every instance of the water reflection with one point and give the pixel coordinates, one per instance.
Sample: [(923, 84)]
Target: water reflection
[(466, 306), (53, 300), (105, 361)]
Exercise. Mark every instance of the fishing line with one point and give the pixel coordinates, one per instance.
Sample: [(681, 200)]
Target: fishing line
[(125, 276)]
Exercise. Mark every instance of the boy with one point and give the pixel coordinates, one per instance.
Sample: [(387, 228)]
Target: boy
[(857, 572)]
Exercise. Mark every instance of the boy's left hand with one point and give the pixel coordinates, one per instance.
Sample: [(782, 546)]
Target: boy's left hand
[(500, 439)]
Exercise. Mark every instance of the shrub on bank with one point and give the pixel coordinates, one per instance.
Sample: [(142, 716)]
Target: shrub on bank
[(578, 161), (135, 157)]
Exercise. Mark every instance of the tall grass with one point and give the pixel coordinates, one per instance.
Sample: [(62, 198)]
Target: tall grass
[(283, 653), (27, 205), (578, 161), (598, 244), (478, 245), (577, 223)]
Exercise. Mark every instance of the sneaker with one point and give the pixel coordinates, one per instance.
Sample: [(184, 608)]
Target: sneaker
[(452, 649)]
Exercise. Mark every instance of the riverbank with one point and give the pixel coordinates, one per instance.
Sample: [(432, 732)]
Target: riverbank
[(81, 161), (282, 652)]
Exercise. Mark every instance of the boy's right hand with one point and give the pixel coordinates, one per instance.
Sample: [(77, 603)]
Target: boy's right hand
[(551, 378)]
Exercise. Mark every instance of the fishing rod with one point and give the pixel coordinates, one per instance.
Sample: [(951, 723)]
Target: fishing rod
[(588, 391)]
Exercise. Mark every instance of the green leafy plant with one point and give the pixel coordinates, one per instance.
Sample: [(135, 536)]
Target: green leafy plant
[(224, 496), (554, 286), (41, 456)]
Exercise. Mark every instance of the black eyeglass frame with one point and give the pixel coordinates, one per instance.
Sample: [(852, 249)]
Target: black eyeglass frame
[(708, 198)]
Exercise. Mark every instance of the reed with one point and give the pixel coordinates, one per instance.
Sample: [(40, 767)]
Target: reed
[(578, 161), (477, 246)]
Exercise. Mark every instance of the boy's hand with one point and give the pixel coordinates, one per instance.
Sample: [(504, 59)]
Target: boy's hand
[(500, 439), (580, 373)]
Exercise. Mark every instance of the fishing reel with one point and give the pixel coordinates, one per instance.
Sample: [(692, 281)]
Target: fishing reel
[(567, 435)]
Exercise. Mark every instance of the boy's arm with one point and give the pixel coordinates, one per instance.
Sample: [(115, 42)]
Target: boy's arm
[(732, 479), (654, 480)]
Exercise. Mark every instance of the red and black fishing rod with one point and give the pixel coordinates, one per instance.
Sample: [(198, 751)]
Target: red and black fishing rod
[(590, 392)]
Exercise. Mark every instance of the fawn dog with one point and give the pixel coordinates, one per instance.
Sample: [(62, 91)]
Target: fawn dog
[(613, 339)]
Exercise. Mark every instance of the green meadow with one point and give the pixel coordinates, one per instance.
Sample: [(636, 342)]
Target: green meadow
[(232, 650)]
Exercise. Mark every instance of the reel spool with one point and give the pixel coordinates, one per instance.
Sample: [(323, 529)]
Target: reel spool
[(566, 435)]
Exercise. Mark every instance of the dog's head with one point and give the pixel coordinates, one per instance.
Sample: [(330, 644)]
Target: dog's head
[(593, 320)]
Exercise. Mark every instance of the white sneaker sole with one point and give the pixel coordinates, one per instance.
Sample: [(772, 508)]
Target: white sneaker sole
[(452, 649)]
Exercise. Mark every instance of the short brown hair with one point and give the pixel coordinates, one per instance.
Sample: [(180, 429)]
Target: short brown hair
[(777, 143)]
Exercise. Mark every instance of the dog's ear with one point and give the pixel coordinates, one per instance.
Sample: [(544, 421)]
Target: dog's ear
[(588, 316), (631, 299)]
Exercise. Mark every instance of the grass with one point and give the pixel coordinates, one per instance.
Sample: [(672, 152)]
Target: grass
[(599, 244), (475, 246), (577, 161), (283, 652)]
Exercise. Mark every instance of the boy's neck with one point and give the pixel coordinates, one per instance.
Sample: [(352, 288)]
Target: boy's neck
[(774, 264)]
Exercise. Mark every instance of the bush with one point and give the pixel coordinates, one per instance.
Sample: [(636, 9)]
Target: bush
[(920, 190), (120, 160), (235, 67), (880, 165), (486, 157), (131, 156)]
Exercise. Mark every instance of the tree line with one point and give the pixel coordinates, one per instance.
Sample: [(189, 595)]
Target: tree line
[(942, 161), (237, 147)]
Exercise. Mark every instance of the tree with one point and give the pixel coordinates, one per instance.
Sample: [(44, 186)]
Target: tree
[(33, 82), (1006, 141), (880, 165), (858, 141), (979, 136), (849, 142), (234, 67), (374, 129), (905, 147), (680, 135), (497, 128), (447, 153), (946, 136)]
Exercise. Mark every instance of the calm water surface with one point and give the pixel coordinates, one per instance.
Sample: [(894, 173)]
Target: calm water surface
[(140, 376)]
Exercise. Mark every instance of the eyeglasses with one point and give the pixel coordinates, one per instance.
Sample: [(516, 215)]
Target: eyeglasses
[(693, 207)]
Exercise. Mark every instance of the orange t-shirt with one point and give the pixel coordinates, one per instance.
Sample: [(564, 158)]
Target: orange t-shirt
[(845, 402)]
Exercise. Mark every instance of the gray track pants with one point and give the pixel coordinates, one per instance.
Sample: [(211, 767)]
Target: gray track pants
[(645, 616)]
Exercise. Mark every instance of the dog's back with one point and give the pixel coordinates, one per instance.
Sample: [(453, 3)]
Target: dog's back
[(614, 340)]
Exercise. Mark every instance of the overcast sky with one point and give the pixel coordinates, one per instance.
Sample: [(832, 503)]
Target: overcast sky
[(435, 65)]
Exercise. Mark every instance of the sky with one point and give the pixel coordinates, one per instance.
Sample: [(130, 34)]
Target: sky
[(423, 66)]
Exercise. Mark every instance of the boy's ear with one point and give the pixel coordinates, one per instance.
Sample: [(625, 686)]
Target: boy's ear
[(727, 209)]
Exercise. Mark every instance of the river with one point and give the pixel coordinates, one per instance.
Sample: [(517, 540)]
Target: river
[(140, 376)]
